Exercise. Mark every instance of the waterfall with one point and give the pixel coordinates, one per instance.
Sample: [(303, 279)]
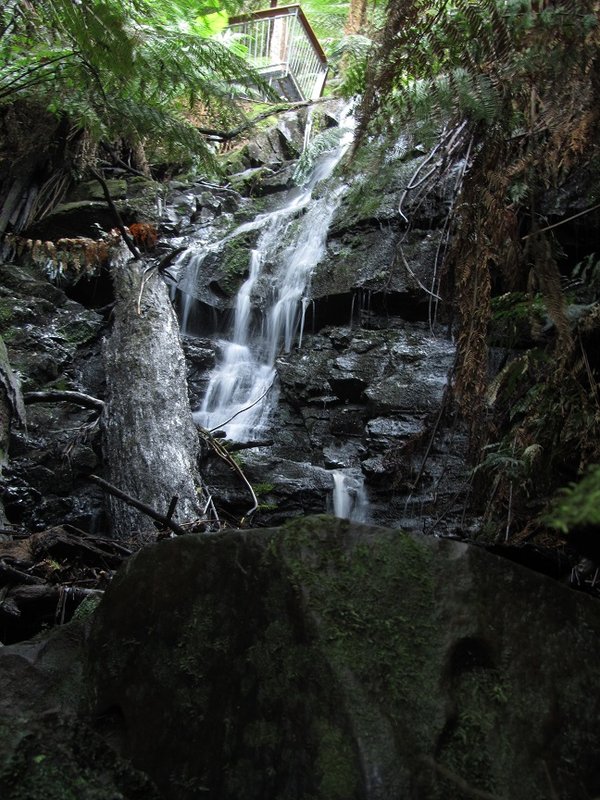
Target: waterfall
[(350, 499), (242, 390)]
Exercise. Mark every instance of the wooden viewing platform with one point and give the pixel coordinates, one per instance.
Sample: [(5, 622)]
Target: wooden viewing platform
[(283, 48)]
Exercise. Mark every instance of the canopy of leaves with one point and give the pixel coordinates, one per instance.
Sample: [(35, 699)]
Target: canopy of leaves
[(481, 59), (133, 69)]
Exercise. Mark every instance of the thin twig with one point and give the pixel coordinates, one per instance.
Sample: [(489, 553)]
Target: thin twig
[(562, 222), (465, 788), (412, 274), (241, 411), (551, 788), (229, 460)]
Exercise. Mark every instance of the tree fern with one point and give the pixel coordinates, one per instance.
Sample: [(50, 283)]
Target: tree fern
[(102, 62)]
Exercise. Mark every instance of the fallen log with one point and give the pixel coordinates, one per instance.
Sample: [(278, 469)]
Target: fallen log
[(26, 595), (78, 398), (10, 575)]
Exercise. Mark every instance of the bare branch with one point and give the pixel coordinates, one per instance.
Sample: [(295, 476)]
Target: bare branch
[(241, 411), (79, 398), (145, 509), (226, 136)]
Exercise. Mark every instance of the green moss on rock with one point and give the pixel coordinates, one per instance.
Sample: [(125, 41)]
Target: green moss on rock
[(234, 264), (79, 330)]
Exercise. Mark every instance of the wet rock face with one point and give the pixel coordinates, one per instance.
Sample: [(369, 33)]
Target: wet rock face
[(329, 660), (53, 343), (361, 400), (364, 389)]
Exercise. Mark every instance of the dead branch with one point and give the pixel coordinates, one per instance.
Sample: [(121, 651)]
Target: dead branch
[(226, 136), (235, 446), (79, 398), (223, 454), (118, 219), (119, 161), (12, 575), (168, 258), (172, 506), (145, 509)]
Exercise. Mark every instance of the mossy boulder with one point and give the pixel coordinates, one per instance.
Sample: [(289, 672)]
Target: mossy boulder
[(328, 660), (92, 190)]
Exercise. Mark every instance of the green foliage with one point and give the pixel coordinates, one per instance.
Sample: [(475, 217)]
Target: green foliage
[(516, 305), (577, 504), (130, 70), (501, 458), (478, 60), (350, 57), (263, 488)]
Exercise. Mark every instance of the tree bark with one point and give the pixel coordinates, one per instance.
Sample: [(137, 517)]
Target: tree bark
[(357, 17), (11, 410), (150, 442)]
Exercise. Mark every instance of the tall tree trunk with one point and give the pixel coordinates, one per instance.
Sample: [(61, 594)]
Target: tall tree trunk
[(150, 441), (11, 410), (357, 16)]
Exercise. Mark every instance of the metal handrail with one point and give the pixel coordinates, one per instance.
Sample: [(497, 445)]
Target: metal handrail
[(284, 49)]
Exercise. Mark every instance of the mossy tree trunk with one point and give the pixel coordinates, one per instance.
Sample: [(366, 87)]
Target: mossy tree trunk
[(150, 441)]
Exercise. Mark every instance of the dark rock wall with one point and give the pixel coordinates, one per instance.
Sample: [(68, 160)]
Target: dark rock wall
[(53, 343)]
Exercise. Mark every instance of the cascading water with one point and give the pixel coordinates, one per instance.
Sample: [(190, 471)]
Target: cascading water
[(349, 496), (241, 392)]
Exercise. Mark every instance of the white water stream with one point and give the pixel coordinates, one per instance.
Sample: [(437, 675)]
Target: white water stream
[(241, 392), (349, 496)]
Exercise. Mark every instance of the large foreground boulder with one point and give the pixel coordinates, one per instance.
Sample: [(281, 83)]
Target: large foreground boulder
[(47, 751), (333, 661)]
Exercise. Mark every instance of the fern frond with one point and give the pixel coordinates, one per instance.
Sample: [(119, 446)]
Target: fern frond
[(93, 61)]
